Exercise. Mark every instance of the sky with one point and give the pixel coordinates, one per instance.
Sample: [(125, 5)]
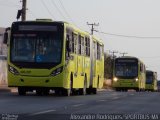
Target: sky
[(138, 21)]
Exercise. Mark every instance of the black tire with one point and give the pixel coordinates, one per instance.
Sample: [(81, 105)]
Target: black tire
[(117, 89), (46, 91), (39, 92), (57, 92), (138, 90), (94, 90), (66, 92), (21, 91), (88, 91)]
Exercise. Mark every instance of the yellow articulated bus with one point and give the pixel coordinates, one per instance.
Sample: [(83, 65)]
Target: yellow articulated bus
[(151, 80), (49, 55), (128, 73)]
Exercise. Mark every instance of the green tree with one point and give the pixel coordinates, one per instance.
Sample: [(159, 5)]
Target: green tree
[(108, 66)]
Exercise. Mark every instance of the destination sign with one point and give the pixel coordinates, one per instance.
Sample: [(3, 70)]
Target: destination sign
[(127, 60), (37, 28)]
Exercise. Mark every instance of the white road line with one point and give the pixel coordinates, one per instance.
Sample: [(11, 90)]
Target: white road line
[(102, 100), (77, 105), (42, 112)]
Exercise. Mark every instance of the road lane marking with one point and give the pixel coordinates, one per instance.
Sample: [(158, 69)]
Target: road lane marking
[(42, 112), (102, 100), (77, 105)]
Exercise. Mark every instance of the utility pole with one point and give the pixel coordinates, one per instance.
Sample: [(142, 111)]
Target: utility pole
[(123, 53), (92, 29), (24, 4), (113, 53)]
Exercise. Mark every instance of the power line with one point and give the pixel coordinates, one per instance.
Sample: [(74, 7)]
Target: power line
[(120, 35), (66, 11), (47, 8), (31, 13), (149, 56), (9, 5), (54, 4)]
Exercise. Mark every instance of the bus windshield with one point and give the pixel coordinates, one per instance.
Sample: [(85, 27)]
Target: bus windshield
[(126, 68), (36, 48), (149, 78)]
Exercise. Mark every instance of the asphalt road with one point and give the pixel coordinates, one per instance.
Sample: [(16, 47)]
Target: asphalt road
[(53, 107)]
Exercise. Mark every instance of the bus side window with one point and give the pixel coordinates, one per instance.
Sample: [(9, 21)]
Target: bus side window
[(82, 45), (68, 44), (98, 51), (72, 43), (75, 37), (79, 44), (87, 47)]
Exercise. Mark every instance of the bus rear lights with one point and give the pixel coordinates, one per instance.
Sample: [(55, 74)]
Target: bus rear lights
[(13, 70), (57, 71), (115, 79)]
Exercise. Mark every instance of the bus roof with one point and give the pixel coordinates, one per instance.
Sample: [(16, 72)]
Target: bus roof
[(65, 23), (129, 57), (97, 39)]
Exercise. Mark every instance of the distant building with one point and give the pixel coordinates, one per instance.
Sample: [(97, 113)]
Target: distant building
[(3, 47)]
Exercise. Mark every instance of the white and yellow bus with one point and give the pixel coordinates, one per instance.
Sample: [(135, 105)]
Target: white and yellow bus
[(49, 55)]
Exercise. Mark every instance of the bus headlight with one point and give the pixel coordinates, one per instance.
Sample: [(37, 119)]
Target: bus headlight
[(57, 71), (115, 79), (136, 79), (13, 70)]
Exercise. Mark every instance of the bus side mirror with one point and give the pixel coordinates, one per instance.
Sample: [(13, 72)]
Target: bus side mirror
[(5, 38)]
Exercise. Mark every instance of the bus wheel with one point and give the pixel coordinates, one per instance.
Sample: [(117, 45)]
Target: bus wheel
[(88, 91), (39, 92), (118, 89), (66, 92), (138, 90), (94, 90), (46, 91), (21, 91), (57, 92)]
